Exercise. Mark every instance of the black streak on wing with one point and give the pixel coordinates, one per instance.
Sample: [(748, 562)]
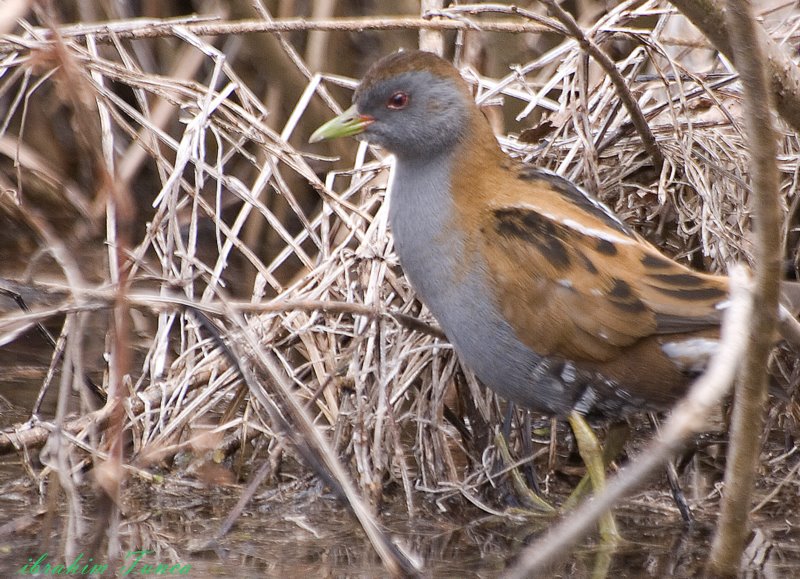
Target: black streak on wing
[(631, 307), (587, 263), (621, 297), (698, 294), (676, 324), (605, 247), (536, 229), (656, 261), (684, 280), (620, 290), (577, 196)]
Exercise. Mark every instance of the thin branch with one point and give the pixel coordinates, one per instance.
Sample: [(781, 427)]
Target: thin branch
[(648, 140), (34, 433), (784, 76), (431, 40), (142, 28), (688, 418), (14, 324), (298, 426), (751, 391)]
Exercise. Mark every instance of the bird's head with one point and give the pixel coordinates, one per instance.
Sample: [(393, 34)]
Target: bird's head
[(413, 104)]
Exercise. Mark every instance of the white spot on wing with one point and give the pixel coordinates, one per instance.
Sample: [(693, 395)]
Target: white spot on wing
[(691, 355), (606, 234), (599, 233), (590, 198)]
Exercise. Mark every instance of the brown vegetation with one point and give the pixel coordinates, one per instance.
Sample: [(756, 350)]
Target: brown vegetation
[(246, 304)]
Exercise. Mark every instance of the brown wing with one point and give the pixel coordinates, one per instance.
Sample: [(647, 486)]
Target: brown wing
[(577, 286)]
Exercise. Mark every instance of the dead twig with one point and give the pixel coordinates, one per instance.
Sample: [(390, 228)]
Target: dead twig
[(751, 391), (642, 127), (784, 76), (688, 418)]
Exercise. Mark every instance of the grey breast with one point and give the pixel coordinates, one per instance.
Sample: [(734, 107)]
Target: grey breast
[(454, 287)]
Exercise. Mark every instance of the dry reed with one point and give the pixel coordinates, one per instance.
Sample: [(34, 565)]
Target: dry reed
[(256, 355)]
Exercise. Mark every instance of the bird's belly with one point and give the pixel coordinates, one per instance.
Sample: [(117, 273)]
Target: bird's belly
[(455, 291)]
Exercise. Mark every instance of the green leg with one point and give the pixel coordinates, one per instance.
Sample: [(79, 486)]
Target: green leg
[(592, 454), (518, 481), (616, 438)]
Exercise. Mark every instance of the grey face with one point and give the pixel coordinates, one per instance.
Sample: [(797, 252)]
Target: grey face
[(416, 114)]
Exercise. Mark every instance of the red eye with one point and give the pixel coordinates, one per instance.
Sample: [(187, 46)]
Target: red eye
[(397, 101)]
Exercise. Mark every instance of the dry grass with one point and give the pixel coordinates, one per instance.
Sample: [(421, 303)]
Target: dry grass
[(241, 350)]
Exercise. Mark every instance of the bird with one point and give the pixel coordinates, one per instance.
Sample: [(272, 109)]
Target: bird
[(545, 294)]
